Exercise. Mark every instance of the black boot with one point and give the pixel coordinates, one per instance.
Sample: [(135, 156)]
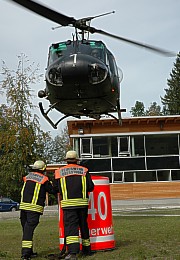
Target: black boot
[(71, 257), (25, 258), (34, 254)]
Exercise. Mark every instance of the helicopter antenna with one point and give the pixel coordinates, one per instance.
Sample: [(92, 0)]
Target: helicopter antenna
[(76, 33), (73, 38), (86, 19), (57, 27), (112, 12)]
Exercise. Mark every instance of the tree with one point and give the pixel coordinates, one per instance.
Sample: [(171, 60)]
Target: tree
[(171, 99), (138, 109), (21, 139), (154, 110), (61, 145), (44, 146)]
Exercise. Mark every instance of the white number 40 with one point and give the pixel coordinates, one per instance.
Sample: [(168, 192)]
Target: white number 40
[(93, 211)]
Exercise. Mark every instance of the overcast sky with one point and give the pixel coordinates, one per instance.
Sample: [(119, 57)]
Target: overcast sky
[(156, 22)]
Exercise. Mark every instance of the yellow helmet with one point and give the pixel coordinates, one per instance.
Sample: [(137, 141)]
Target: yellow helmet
[(72, 156), (39, 165)]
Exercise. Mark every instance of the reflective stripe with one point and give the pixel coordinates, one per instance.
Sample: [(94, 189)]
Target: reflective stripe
[(32, 207), (72, 239), (102, 238), (64, 189), (86, 242), (101, 182), (83, 187), (27, 244), (22, 191), (74, 202), (36, 193), (61, 241), (97, 239)]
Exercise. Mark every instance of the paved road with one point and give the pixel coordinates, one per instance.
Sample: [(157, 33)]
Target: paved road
[(117, 205), (49, 211), (146, 204)]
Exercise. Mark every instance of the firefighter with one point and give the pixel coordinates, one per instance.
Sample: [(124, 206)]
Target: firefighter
[(33, 195), (74, 182)]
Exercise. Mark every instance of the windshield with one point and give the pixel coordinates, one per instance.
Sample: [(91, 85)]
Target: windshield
[(93, 48)]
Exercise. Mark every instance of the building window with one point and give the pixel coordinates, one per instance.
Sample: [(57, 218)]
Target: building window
[(137, 145), (100, 147), (118, 176), (86, 147), (146, 176), (129, 176), (175, 175), (123, 146), (162, 144), (114, 147), (163, 175)]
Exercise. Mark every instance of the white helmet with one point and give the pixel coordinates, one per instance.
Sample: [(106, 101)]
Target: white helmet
[(39, 165), (71, 155)]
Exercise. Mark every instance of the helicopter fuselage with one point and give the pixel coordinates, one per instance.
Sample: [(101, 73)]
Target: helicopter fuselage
[(82, 79)]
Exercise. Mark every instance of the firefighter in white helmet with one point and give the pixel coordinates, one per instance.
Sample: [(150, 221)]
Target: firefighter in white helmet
[(74, 182), (33, 196)]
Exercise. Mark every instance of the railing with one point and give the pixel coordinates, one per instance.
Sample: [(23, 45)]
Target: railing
[(136, 169)]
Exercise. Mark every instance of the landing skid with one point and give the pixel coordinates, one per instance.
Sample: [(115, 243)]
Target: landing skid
[(54, 125), (118, 110), (119, 119), (45, 115)]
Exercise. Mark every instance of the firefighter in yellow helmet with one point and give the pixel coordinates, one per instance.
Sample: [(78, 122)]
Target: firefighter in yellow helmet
[(74, 182), (33, 196)]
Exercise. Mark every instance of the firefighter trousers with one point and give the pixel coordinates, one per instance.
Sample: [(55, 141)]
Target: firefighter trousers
[(75, 219), (29, 221)]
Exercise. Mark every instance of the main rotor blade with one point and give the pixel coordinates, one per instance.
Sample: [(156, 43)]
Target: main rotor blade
[(66, 20), (46, 12), (139, 44)]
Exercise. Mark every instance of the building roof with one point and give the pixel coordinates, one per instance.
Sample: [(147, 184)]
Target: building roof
[(131, 124)]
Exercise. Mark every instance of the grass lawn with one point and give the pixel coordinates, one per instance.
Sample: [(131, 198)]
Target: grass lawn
[(137, 237)]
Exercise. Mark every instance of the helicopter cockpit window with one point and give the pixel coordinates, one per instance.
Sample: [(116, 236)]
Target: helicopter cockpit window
[(59, 50), (97, 50), (96, 53)]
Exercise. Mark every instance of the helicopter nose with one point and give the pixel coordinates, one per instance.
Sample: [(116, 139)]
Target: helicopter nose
[(77, 68), (83, 68)]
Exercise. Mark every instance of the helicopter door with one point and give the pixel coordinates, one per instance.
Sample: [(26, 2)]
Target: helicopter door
[(112, 64)]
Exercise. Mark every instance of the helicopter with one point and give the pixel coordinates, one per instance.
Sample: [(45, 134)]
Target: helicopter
[(82, 77)]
